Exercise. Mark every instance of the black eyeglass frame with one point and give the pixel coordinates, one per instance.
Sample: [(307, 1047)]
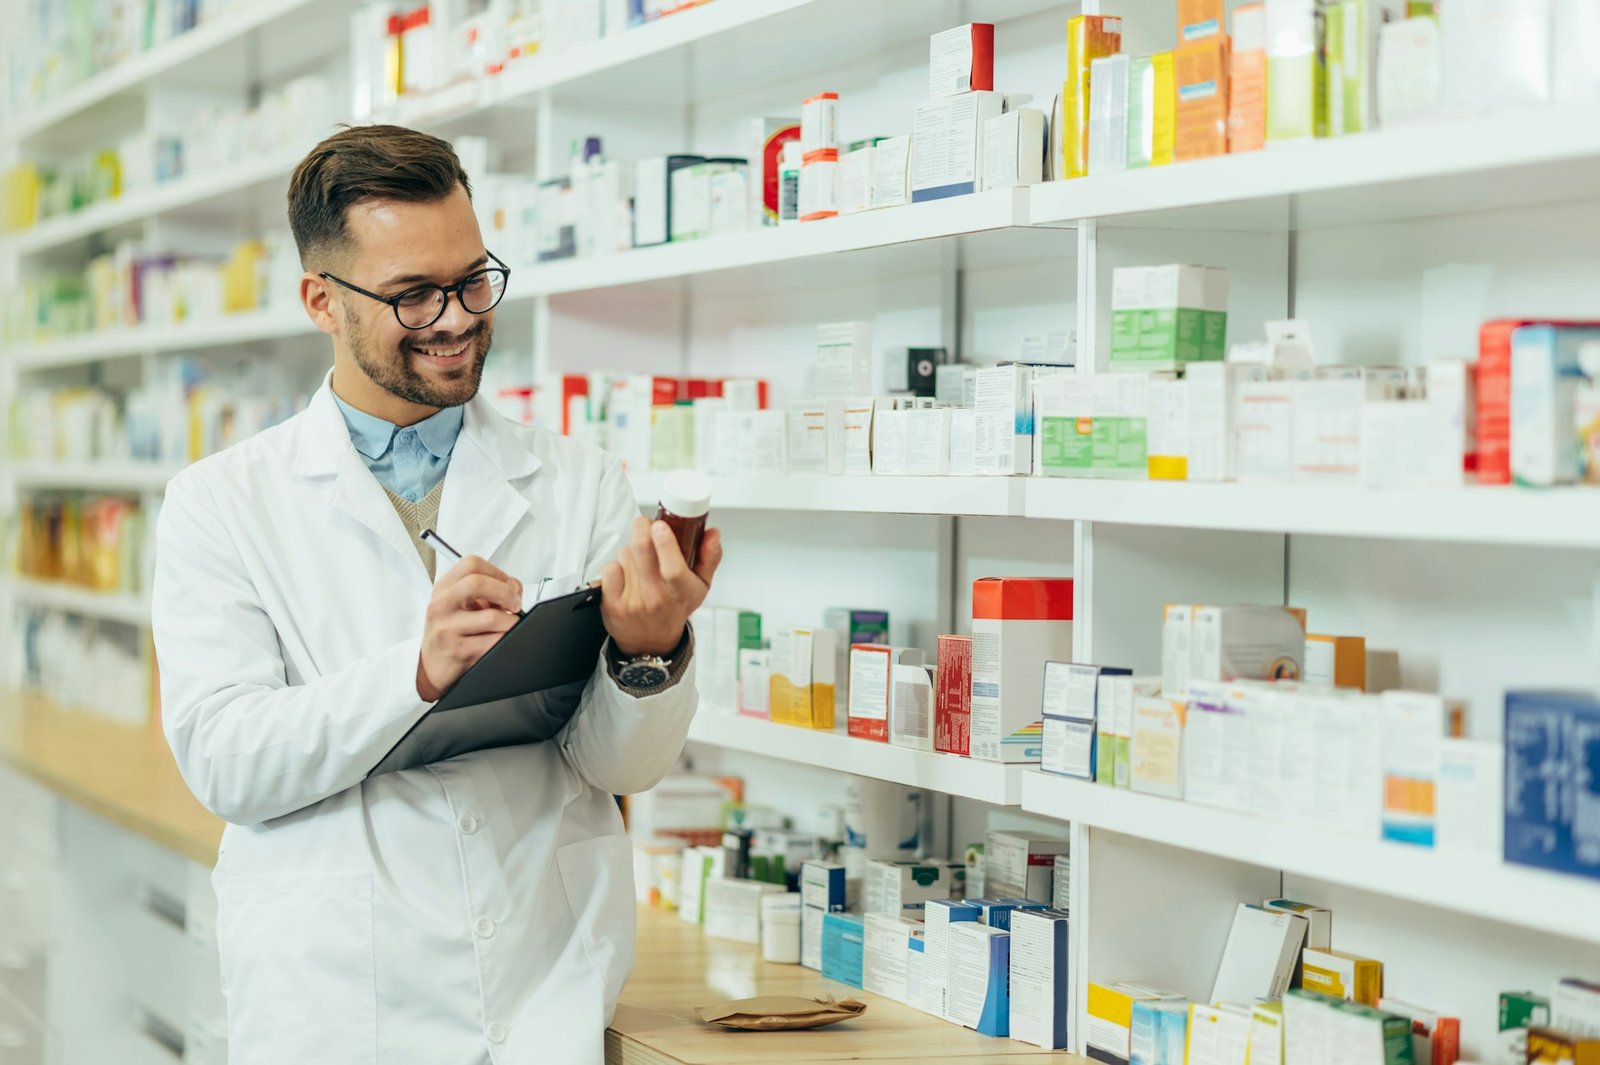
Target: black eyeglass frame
[(447, 290)]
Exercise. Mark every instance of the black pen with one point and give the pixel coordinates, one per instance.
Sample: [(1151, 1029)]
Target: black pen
[(429, 534)]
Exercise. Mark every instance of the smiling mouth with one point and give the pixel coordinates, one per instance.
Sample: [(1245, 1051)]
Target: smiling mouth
[(444, 356)]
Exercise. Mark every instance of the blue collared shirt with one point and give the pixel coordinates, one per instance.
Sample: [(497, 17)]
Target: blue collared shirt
[(409, 462)]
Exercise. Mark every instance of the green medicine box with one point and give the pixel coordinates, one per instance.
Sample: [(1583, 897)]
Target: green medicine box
[(1163, 317)]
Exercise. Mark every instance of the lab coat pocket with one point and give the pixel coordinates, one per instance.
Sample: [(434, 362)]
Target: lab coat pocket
[(297, 958), (597, 876)]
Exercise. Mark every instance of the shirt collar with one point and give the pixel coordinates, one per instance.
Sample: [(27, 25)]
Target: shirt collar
[(372, 435)]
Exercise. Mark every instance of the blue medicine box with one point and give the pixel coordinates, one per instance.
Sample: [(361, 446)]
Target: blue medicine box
[(1552, 742), (843, 947)]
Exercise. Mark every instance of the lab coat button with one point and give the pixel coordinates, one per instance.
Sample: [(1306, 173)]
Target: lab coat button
[(484, 927), (468, 824), (497, 1032)]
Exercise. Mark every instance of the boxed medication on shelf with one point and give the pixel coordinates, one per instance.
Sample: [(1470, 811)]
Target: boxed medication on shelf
[(1319, 922), (819, 123), (1199, 19), (1004, 404), (1327, 430), (1158, 1032), (733, 908), (1089, 37), (819, 185), (1167, 428), (844, 939), (857, 437), (1152, 110), (1218, 1035), (1354, 29), (700, 866), (1021, 865), (1547, 735), (1297, 103), (1063, 419), (953, 696), (1014, 146), (1155, 747), (903, 887), (1247, 643), (941, 915), (1114, 714), (1061, 883), (947, 143), (1163, 317), (1414, 728), (1548, 364), (1201, 71), (1217, 744), (911, 707), (1519, 1011), (721, 635), (996, 912), (961, 60), (1247, 79), (1342, 740), (1071, 709), (1262, 949), (1264, 428), (1340, 974), (1108, 1032), (1469, 813), (809, 439), (1108, 113), (1575, 1006), (856, 168), (1177, 648), (1039, 1003), (963, 443), (885, 955), (843, 366), (852, 626), (755, 683), (978, 984), (1409, 74), (891, 172), (803, 678), (1212, 392), (824, 889), (1548, 1046), (1266, 1033), (1018, 624), (871, 666), (767, 137)]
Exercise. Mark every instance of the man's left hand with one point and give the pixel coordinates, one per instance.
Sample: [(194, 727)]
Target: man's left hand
[(650, 591)]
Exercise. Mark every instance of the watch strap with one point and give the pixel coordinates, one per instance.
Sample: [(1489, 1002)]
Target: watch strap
[(678, 660)]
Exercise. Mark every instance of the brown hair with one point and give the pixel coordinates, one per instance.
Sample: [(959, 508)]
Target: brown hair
[(365, 163)]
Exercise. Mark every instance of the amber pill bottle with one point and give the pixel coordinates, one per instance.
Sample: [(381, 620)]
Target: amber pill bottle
[(685, 504)]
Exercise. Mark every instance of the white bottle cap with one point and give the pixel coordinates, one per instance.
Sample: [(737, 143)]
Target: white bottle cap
[(686, 493)]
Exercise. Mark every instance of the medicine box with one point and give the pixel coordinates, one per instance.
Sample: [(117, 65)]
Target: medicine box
[(1108, 113), (700, 865), (885, 955), (755, 683), (1468, 815), (940, 915), (1319, 921), (856, 169), (1262, 950), (978, 984), (1354, 30), (766, 138), (871, 667), (1201, 71), (843, 948), (1163, 317), (1297, 101), (1342, 975), (947, 144), (804, 670), (1548, 364), (1014, 146), (1327, 430), (730, 632), (1109, 1024), (1021, 864), (1264, 428), (1199, 19), (1414, 727), (1152, 110), (1336, 661), (1266, 1034), (733, 908), (1089, 37), (1548, 779), (911, 706), (1247, 643), (1156, 746), (953, 696), (1039, 1000), (961, 60), (1212, 390), (819, 185), (903, 887), (996, 912), (1519, 1011), (1063, 415), (891, 174), (1575, 1006), (1167, 428), (1114, 712), (1018, 624), (652, 197), (853, 627), (1003, 399), (1218, 1035), (843, 367), (819, 122), (1247, 79), (1548, 1046), (1071, 710), (1061, 883), (1217, 745)]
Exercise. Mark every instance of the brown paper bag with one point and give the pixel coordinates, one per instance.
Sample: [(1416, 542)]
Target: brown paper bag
[(777, 1012)]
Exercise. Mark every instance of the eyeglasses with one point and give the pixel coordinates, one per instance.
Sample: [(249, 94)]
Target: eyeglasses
[(420, 307)]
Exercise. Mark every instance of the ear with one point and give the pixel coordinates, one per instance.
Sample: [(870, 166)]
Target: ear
[(316, 296)]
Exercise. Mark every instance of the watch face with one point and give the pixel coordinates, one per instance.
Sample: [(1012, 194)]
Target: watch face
[(642, 675)]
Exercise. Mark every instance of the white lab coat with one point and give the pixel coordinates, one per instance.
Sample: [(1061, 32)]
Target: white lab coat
[(477, 908)]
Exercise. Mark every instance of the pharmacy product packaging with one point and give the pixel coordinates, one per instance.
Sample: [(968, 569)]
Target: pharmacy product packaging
[(1319, 921), (1199, 19), (652, 196), (1021, 864), (1519, 1011), (856, 440), (1354, 30), (1547, 782), (914, 370), (885, 955), (856, 168), (1158, 1032), (766, 139), (1201, 70), (871, 666), (911, 708), (733, 908), (1119, 447), (1343, 734), (1014, 148), (1494, 400), (1247, 79), (978, 981), (1004, 404), (1167, 428), (1263, 417), (1089, 37), (941, 915), (823, 890), (844, 938), (843, 367), (961, 60), (819, 185), (1575, 1006), (1061, 883), (947, 144), (853, 626), (1108, 113), (819, 123), (1452, 455), (882, 820), (1468, 816), (996, 912), (755, 683), (963, 443), (780, 928), (1434, 1037), (1266, 1034), (1063, 425), (953, 696), (1548, 365), (790, 163), (1327, 431), (1409, 71), (732, 632), (1018, 624), (1414, 727), (1156, 746), (1340, 974), (1217, 744), (1040, 1002), (809, 438), (928, 441), (903, 887), (1260, 956), (1164, 317), (1212, 391), (1109, 1031), (891, 175), (1336, 661), (700, 866), (1177, 648), (1297, 99), (1071, 711), (1114, 713), (1551, 1046), (1247, 643), (804, 676), (1218, 1035)]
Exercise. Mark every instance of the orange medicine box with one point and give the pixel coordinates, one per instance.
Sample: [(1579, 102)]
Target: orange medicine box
[(952, 715), (1247, 80), (1201, 72), (1337, 661), (1089, 37), (1199, 19)]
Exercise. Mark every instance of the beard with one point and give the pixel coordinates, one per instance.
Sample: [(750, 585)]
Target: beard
[(395, 373)]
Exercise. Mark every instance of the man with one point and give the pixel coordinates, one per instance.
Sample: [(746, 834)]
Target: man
[(473, 910)]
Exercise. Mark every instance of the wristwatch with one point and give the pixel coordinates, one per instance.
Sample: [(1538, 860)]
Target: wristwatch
[(644, 673)]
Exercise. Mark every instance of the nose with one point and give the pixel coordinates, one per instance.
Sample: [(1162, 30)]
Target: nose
[(456, 319)]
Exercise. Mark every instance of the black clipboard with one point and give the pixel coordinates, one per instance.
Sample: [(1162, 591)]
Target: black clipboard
[(523, 690)]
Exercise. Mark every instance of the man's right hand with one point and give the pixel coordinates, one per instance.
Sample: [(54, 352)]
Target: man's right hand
[(473, 605)]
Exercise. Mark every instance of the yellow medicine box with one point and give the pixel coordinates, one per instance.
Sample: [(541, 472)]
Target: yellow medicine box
[(1338, 974)]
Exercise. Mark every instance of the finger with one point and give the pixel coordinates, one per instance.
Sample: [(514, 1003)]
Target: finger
[(627, 558), (472, 648), (472, 565), (472, 623), (710, 555), (477, 591), (669, 556), (611, 582)]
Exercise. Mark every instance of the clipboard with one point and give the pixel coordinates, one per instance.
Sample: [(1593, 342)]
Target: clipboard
[(523, 690)]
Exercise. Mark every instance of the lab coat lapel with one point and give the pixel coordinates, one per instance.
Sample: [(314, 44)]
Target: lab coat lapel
[(481, 505)]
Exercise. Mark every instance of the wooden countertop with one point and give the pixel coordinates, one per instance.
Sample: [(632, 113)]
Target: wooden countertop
[(678, 968), (123, 773)]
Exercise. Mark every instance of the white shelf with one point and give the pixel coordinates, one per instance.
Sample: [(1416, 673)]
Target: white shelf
[(984, 212), (108, 606), (951, 774), (191, 191), (242, 328), (992, 496), (1563, 517), (134, 477), (246, 16), (1565, 906), (1541, 155)]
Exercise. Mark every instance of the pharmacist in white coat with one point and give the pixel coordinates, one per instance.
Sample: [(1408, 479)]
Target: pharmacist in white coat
[(474, 910)]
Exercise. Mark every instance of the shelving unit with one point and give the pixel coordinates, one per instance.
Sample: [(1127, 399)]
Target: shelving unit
[(131, 477), (106, 606)]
